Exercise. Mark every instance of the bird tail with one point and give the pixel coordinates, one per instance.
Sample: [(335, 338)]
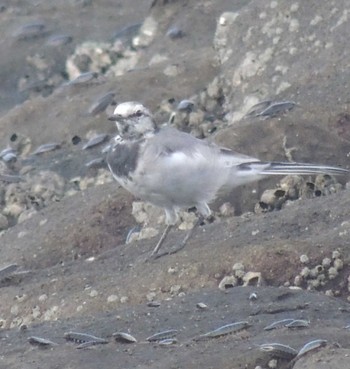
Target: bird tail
[(252, 171), (280, 168)]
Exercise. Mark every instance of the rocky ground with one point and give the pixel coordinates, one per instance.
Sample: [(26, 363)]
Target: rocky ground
[(280, 250)]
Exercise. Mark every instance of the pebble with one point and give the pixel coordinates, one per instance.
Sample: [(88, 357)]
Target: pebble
[(201, 306), (336, 254), (228, 282), (4, 223), (30, 31), (10, 178), (59, 40), (7, 271), (112, 298), (332, 273), (83, 79), (124, 337), (185, 105), (8, 150), (101, 104), (175, 32), (277, 108), (252, 278), (305, 272), (96, 140), (226, 209), (304, 259), (326, 262), (338, 264), (9, 158), (46, 147), (39, 341)]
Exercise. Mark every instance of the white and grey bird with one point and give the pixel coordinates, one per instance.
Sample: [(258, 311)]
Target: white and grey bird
[(176, 171)]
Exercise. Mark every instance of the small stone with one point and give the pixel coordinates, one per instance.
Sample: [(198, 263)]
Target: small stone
[(253, 296), (305, 272), (27, 214), (43, 297), (188, 221), (338, 264), (153, 304), (150, 296), (226, 210), (173, 270), (16, 322), (238, 266), (52, 313), (36, 312), (3, 222), (201, 306), (112, 298), (297, 280), (93, 293), (326, 262), (174, 290), (124, 337), (329, 293), (314, 272), (124, 299), (332, 273), (222, 21), (42, 222), (228, 282), (14, 210), (22, 234), (21, 298), (272, 363), (146, 233), (312, 284), (336, 254), (175, 32), (273, 198), (304, 259), (185, 105), (252, 278), (14, 309), (239, 273)]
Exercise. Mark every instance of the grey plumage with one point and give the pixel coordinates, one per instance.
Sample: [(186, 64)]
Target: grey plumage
[(176, 171)]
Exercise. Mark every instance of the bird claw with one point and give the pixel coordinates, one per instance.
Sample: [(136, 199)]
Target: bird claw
[(158, 255)]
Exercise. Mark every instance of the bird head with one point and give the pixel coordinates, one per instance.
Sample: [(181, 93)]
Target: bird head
[(133, 120)]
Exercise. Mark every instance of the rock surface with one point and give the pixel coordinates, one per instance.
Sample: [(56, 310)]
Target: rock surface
[(64, 222)]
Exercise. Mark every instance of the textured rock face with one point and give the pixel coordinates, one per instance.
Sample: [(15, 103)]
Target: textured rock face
[(282, 49), (266, 78)]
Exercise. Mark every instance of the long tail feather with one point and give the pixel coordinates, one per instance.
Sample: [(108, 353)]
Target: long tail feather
[(280, 168)]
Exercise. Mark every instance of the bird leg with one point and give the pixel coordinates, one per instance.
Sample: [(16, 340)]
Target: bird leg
[(180, 246), (162, 239)]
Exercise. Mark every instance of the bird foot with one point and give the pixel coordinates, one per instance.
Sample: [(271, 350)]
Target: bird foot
[(172, 251)]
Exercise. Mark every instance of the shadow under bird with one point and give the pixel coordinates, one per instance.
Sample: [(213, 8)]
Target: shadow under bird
[(176, 171)]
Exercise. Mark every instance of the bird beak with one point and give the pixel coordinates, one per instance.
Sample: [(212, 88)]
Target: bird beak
[(115, 118)]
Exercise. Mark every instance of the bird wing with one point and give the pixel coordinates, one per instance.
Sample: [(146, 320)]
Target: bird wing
[(169, 141), (183, 170)]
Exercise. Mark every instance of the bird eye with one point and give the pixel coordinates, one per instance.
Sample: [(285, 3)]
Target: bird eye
[(138, 113)]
